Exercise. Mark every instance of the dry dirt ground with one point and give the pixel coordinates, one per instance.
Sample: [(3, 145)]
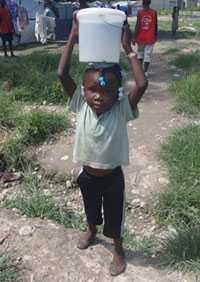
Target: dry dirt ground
[(48, 250)]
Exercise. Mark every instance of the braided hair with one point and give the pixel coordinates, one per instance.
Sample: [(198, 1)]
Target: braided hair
[(106, 68)]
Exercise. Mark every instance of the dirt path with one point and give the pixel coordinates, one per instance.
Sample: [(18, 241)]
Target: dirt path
[(49, 250)]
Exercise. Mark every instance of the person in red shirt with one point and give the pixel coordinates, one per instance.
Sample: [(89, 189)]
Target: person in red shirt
[(6, 27), (145, 34)]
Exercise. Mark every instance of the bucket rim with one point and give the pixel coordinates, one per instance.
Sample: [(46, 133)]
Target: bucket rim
[(101, 11)]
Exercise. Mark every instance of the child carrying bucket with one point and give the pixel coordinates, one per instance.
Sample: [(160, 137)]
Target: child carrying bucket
[(101, 141)]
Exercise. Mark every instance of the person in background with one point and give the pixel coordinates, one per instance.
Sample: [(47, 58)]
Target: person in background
[(175, 15), (145, 34), (13, 7), (6, 28), (50, 10), (83, 4)]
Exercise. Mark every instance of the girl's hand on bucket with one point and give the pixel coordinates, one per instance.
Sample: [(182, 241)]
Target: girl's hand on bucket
[(74, 30), (126, 39)]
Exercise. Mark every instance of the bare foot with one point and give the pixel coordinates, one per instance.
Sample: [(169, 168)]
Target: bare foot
[(118, 264), (87, 239)]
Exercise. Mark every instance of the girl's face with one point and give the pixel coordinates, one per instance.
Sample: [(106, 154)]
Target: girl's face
[(99, 98)]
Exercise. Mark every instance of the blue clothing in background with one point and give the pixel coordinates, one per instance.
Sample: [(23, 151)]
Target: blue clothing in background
[(13, 7)]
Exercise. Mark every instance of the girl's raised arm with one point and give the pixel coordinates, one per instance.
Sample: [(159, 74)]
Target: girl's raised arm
[(141, 82), (64, 65)]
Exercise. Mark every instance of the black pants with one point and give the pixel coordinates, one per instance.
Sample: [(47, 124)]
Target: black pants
[(7, 37), (107, 192)]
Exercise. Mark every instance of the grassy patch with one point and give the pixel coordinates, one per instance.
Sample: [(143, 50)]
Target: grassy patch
[(181, 201), (9, 268), (12, 155), (9, 110), (188, 61), (33, 202), (182, 249), (187, 91), (33, 128), (171, 51), (36, 126), (35, 77), (164, 12), (145, 245), (179, 204), (164, 25), (184, 28)]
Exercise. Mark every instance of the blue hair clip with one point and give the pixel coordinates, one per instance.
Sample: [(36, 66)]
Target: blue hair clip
[(102, 80)]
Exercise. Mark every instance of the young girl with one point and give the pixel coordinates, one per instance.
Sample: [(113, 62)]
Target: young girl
[(6, 27), (101, 143)]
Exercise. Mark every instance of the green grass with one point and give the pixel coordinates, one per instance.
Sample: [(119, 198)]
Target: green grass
[(33, 128), (188, 87), (35, 77), (188, 62), (164, 12), (9, 111), (187, 91), (183, 31), (181, 201), (182, 249), (12, 155), (9, 268), (172, 51), (37, 126), (164, 25), (33, 202), (179, 204), (145, 245)]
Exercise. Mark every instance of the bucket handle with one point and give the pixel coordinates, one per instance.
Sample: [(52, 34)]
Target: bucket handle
[(103, 17)]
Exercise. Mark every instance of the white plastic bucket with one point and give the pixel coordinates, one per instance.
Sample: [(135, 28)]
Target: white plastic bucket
[(100, 34)]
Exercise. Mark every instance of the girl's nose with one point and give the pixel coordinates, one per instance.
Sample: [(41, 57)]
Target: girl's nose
[(97, 97)]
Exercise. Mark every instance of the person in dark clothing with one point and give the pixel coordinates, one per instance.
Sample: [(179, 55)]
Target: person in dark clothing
[(83, 4), (6, 28)]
